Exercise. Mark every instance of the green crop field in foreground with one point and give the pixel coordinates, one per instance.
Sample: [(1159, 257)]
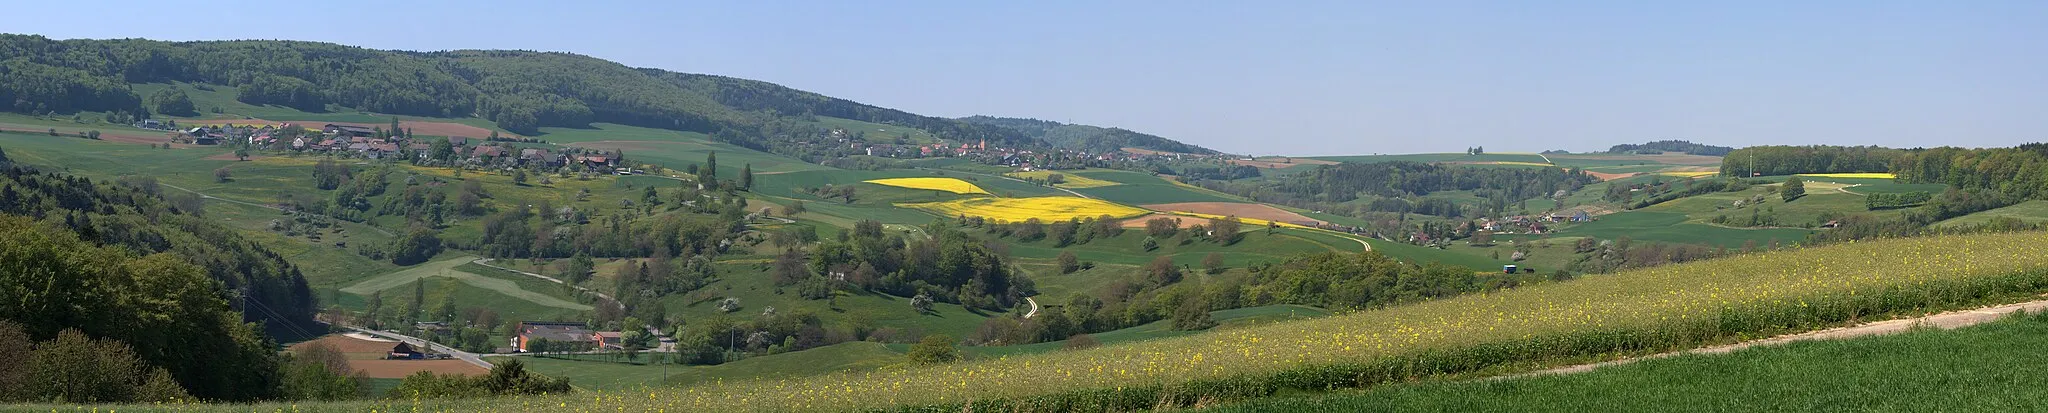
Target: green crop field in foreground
[(1993, 367), (1634, 312)]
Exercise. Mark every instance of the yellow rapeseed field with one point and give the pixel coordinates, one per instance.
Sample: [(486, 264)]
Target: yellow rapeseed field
[(1048, 209), (1072, 181), (1859, 175), (936, 184)]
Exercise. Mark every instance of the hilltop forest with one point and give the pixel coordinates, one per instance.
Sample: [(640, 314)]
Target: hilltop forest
[(520, 91), (1089, 138)]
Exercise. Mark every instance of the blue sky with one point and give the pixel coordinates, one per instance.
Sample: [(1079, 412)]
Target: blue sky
[(1339, 77)]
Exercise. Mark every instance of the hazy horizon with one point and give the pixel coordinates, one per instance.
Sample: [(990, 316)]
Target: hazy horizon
[(1298, 79)]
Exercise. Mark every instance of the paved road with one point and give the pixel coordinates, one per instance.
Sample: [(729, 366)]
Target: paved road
[(472, 358), (1948, 320), (1034, 307)]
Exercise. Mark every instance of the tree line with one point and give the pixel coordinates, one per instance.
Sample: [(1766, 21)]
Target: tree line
[(1401, 186), (1816, 159), (1657, 147)]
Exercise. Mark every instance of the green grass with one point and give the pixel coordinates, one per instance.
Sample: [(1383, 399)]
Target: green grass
[(751, 284), (1437, 157), (849, 356), (876, 132), (1225, 320), (1991, 367), (513, 296), (1866, 185), (1671, 227), (615, 372), (673, 149), (2034, 211), (1139, 188), (1804, 211)]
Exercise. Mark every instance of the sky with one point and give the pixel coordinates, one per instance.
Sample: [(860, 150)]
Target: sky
[(1264, 78)]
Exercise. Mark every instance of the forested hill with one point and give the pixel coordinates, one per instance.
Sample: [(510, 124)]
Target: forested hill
[(139, 216), (519, 90), (1686, 147), (1089, 138)]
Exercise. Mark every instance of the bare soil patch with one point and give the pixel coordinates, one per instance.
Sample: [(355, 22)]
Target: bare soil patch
[(1609, 176), (368, 356), (398, 369), (355, 348), (1239, 209)]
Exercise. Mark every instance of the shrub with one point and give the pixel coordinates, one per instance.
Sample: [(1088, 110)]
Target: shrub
[(934, 349)]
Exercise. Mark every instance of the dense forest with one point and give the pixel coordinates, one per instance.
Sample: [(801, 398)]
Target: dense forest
[(138, 216), (1663, 146), (1088, 138), (2021, 172), (125, 270), (519, 90), (1817, 159)]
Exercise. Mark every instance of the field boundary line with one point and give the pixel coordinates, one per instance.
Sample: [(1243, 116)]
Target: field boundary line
[(1946, 321)]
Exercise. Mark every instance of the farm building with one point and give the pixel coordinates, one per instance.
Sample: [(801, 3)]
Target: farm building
[(609, 340), (561, 333), (404, 351)]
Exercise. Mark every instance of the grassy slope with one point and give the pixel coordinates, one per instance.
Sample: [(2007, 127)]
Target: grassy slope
[(1991, 367), (608, 372), (1437, 157), (2033, 211), (1138, 188), (1225, 319)]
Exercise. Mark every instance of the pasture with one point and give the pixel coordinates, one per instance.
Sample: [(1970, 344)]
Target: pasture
[(1672, 227), (2032, 211), (1441, 157), (674, 150)]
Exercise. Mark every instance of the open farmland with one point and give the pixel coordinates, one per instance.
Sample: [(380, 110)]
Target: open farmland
[(366, 354), (1857, 175), (936, 184), (1974, 368), (1047, 208), (1261, 212), (1443, 157), (1069, 180), (1635, 312)]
